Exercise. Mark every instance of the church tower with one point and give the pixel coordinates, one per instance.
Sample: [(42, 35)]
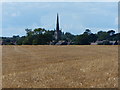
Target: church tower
[(57, 31)]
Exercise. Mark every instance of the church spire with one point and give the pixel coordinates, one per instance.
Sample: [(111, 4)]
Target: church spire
[(57, 24), (57, 31)]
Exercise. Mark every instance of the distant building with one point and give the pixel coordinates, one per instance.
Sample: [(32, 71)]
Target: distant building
[(58, 32), (102, 42), (94, 43), (1, 42)]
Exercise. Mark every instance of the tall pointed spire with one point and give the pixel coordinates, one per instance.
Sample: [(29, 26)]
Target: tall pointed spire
[(57, 24), (57, 31)]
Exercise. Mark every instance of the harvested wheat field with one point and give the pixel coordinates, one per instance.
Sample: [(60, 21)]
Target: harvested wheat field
[(42, 66)]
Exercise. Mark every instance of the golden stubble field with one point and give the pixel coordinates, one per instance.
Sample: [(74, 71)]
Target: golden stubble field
[(43, 66)]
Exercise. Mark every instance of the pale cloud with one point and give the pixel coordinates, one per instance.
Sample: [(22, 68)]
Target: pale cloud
[(74, 17), (60, 0), (14, 14), (15, 31), (116, 21), (34, 25)]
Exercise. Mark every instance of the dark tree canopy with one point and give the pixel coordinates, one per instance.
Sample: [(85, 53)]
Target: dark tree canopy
[(41, 36)]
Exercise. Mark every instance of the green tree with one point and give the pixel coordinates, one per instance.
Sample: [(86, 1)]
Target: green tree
[(102, 35), (111, 32), (93, 37), (87, 31), (68, 36), (82, 39), (20, 40)]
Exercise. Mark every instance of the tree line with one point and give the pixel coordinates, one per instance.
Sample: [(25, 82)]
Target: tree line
[(40, 36)]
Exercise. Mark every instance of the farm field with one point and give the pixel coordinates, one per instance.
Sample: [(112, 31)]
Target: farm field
[(45, 66)]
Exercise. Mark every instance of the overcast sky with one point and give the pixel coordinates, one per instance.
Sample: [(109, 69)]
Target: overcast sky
[(75, 17)]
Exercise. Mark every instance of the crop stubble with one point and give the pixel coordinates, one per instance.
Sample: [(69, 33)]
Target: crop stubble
[(45, 66)]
